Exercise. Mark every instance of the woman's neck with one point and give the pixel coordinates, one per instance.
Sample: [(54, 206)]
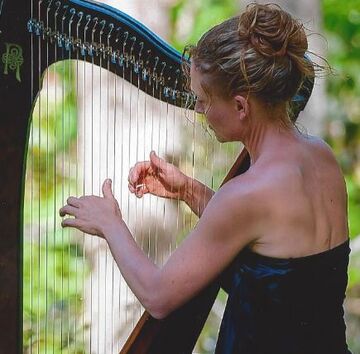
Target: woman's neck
[(267, 133)]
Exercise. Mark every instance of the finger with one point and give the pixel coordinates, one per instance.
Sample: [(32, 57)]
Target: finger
[(73, 202), (139, 168), (68, 210), (71, 223), (140, 190), (132, 189), (106, 189), (156, 161)]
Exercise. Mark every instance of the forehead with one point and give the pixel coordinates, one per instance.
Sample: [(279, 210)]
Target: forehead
[(195, 80)]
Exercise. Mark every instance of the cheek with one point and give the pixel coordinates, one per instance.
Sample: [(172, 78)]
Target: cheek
[(214, 116), (201, 107)]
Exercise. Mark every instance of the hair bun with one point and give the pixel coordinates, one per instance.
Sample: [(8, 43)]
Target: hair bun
[(272, 32)]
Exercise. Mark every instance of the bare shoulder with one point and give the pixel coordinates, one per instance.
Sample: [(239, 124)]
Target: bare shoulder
[(318, 145), (243, 199)]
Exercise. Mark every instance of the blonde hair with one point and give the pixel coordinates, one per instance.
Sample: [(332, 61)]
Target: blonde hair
[(260, 52)]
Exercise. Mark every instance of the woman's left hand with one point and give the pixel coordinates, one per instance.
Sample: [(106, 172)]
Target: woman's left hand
[(92, 214)]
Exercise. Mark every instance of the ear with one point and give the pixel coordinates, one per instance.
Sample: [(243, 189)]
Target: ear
[(242, 106)]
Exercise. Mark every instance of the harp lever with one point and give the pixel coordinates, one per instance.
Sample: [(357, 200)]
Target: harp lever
[(96, 21), (66, 8), (58, 5), (111, 28), (103, 24), (81, 15), (49, 5)]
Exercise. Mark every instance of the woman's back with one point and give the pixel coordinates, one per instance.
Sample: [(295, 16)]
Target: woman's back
[(304, 199), (286, 289)]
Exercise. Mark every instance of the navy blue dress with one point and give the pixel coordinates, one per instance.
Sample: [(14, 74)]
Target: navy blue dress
[(285, 306)]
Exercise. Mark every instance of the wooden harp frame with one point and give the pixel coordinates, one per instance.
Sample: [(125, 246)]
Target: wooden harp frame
[(67, 27)]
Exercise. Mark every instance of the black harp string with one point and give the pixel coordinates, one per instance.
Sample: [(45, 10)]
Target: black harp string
[(162, 131), (131, 145), (63, 152), (174, 237), (107, 165), (31, 161), (138, 157), (114, 190), (68, 76), (144, 239), (121, 315), (55, 221), (92, 184), (47, 193), (106, 144), (125, 65), (84, 164), (39, 241), (99, 117), (158, 124), (77, 181), (152, 210)]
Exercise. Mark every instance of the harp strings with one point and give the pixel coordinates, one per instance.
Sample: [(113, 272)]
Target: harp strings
[(89, 124)]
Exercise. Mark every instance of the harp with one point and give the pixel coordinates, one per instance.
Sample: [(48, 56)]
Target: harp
[(34, 36)]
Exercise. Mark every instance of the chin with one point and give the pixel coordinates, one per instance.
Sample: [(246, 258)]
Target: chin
[(220, 139)]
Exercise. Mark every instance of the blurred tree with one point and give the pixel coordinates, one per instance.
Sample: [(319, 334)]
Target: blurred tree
[(342, 26)]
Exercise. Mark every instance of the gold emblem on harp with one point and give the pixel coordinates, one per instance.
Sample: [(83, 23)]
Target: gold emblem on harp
[(13, 59)]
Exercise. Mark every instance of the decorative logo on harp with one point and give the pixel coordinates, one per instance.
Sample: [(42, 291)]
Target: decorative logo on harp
[(13, 59)]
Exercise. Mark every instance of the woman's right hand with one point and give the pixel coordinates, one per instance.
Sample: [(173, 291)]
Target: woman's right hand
[(157, 177)]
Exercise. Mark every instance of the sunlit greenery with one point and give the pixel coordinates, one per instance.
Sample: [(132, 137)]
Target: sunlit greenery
[(54, 268), (342, 26)]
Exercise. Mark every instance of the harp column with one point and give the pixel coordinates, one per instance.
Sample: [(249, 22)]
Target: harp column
[(16, 84)]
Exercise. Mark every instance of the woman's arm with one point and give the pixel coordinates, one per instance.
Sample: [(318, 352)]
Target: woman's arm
[(197, 196), (163, 179), (222, 231)]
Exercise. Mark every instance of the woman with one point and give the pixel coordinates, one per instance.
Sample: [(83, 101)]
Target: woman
[(280, 229)]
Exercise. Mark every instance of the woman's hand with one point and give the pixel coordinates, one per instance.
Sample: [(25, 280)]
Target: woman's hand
[(157, 177), (92, 214)]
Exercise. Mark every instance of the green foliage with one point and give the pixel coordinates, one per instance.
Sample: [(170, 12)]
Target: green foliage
[(354, 206), (342, 25), (201, 15), (53, 276), (54, 269)]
